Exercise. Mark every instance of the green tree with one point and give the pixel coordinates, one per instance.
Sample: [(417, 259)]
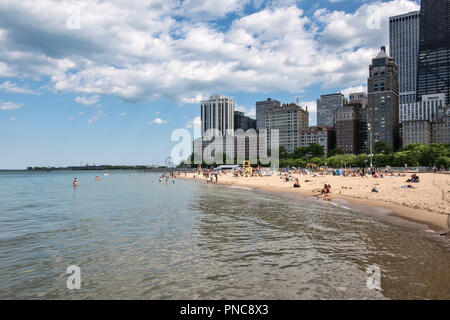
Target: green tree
[(300, 153), (318, 161), (283, 154), (381, 147), (334, 162), (443, 161), (409, 158), (382, 160), (361, 160), (315, 151), (299, 163), (430, 153), (335, 151)]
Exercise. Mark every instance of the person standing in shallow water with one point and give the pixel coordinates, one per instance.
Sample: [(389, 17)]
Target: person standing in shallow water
[(75, 183)]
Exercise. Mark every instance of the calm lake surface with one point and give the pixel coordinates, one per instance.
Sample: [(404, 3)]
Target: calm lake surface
[(135, 238)]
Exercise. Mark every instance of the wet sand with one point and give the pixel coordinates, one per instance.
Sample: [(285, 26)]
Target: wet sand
[(427, 204)]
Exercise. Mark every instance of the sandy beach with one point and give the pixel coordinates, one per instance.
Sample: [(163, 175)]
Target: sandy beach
[(428, 202)]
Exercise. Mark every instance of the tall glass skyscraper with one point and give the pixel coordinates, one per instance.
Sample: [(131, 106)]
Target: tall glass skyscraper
[(434, 49), (404, 47)]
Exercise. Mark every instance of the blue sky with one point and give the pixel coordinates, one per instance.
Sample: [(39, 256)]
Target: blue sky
[(108, 82)]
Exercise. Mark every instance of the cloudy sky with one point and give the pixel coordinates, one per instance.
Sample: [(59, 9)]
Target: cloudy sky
[(108, 81)]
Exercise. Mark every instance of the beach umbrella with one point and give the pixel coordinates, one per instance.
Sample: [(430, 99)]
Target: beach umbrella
[(294, 168)]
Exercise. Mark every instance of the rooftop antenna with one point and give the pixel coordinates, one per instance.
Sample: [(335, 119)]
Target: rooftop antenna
[(297, 100)]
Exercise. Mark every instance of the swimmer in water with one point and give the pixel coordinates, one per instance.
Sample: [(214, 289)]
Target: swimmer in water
[(75, 183), (97, 178)]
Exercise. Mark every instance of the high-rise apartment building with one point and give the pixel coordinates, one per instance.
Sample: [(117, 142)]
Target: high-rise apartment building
[(261, 108), (422, 110), (217, 116), (383, 106), (326, 108), (351, 128), (219, 122), (417, 131), (441, 126), (289, 120), (323, 136), (404, 49), (433, 75)]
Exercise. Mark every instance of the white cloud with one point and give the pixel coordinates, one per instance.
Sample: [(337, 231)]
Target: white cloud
[(87, 101), (210, 9), (367, 27), (13, 119), (123, 114), (196, 122), (138, 51), (10, 87), (194, 100), (157, 121), (96, 117), (249, 112), (312, 109), (5, 70), (7, 105)]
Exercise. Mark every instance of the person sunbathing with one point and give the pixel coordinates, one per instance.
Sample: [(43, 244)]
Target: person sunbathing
[(325, 193), (296, 183), (414, 179)]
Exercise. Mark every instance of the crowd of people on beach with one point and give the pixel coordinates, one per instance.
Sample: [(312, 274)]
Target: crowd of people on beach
[(287, 175)]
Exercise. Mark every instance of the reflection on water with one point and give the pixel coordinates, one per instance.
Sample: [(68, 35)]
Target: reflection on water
[(135, 238)]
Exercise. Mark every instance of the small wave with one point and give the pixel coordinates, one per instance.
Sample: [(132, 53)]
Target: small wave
[(242, 188), (333, 203)]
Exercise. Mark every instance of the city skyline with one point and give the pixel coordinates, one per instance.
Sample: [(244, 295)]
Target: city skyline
[(108, 92)]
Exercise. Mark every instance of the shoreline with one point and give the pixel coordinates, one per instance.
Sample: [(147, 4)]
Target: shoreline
[(434, 221)]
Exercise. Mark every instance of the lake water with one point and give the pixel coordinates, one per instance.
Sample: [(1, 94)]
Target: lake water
[(134, 238)]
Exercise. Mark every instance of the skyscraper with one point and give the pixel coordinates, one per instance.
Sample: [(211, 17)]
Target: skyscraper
[(383, 107), (404, 46), (433, 74), (261, 108), (422, 110), (289, 120), (441, 126), (217, 116), (326, 108), (350, 128)]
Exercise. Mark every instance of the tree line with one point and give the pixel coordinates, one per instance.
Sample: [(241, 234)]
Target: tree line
[(413, 155)]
